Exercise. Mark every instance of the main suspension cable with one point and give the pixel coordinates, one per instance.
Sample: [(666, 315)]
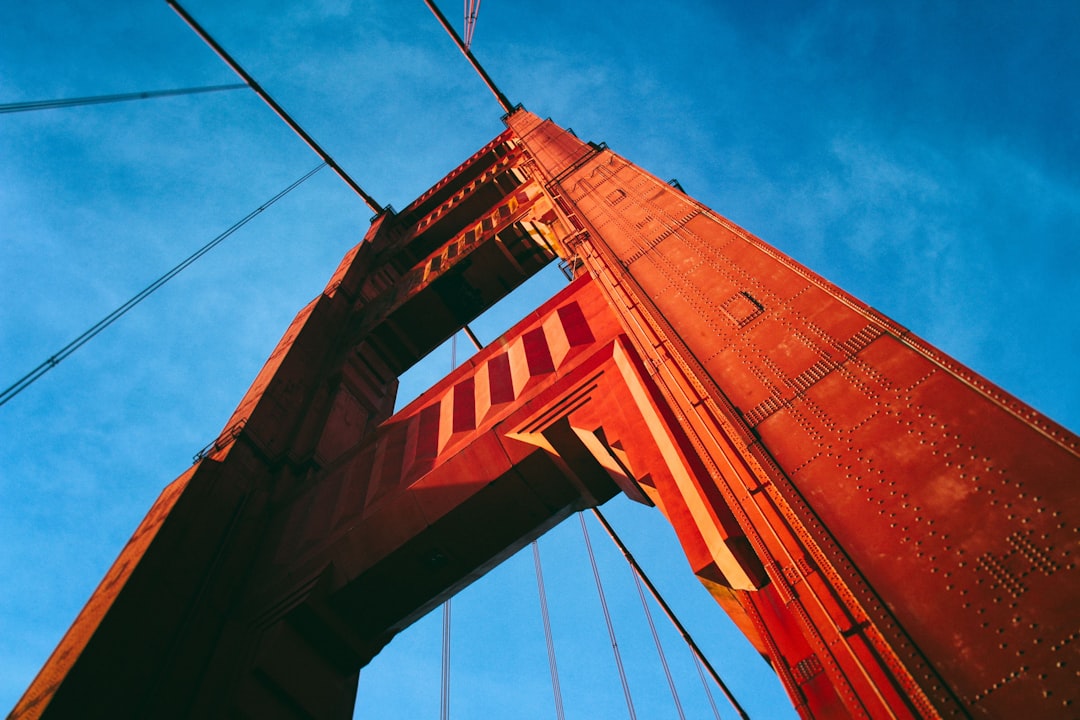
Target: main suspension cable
[(53, 360), (503, 101), (670, 614), (103, 99), (265, 96)]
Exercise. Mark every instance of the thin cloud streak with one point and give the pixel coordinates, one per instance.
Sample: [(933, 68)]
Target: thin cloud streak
[(925, 160)]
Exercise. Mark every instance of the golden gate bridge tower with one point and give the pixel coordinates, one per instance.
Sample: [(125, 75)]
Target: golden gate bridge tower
[(892, 532)]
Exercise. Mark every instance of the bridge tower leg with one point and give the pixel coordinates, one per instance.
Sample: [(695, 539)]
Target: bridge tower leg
[(892, 532)]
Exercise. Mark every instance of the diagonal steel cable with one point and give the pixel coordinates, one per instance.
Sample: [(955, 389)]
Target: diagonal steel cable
[(698, 655), (607, 619), (31, 105), (659, 647), (53, 360), (552, 666), (705, 684)]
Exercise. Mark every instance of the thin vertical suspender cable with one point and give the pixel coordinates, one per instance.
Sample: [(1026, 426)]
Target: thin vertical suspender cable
[(444, 690), (607, 619), (705, 684), (659, 647), (670, 614), (472, 10), (444, 696), (552, 666), (53, 360)]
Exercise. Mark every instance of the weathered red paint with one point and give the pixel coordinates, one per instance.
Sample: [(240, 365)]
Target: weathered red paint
[(893, 532)]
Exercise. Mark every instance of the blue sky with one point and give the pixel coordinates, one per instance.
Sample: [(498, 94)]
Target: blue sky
[(923, 156)]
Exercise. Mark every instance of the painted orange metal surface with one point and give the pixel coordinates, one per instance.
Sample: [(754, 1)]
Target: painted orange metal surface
[(228, 599), (917, 523), (892, 532)]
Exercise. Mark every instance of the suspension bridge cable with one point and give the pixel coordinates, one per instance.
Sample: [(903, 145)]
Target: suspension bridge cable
[(503, 102), (444, 689), (659, 647), (607, 619), (444, 695), (705, 684), (552, 665), (103, 99), (671, 615), (250, 81), (53, 360), (472, 9), (472, 337)]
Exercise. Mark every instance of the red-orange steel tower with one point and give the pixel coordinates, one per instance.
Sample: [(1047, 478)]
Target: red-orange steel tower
[(893, 533)]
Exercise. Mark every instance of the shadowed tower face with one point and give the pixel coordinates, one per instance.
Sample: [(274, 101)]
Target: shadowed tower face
[(887, 528)]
